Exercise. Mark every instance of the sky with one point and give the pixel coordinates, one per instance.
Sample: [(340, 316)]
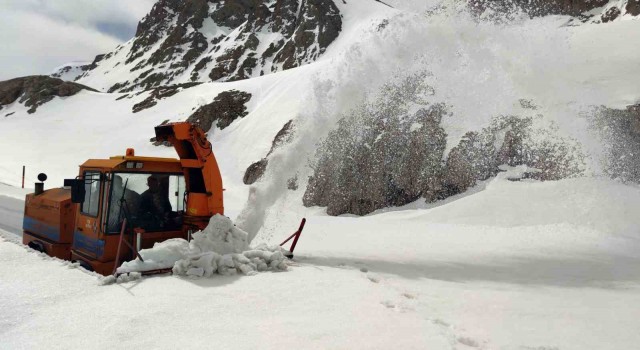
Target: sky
[(37, 36)]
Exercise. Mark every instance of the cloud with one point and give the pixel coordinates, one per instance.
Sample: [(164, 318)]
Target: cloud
[(36, 36)]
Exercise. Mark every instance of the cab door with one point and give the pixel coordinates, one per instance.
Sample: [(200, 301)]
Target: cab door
[(87, 229)]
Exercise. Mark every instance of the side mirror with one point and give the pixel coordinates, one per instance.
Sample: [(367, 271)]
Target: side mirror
[(77, 189)]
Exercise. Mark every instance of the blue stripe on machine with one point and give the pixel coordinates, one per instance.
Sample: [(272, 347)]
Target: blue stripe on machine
[(88, 244), (40, 228)]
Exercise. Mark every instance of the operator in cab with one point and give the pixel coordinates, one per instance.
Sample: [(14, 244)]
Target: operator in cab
[(154, 203)]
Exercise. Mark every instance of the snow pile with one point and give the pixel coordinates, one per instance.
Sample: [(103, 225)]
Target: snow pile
[(162, 256), (220, 248), (220, 236), (249, 262), (124, 278)]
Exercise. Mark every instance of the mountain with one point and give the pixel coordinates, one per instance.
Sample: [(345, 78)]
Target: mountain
[(593, 10), (353, 106), (35, 91), (203, 41)]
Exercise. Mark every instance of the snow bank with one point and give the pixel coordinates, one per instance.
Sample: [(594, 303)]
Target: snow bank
[(162, 256), (220, 236), (250, 262), (220, 248)]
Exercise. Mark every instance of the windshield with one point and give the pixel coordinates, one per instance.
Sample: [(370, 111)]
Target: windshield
[(153, 202)]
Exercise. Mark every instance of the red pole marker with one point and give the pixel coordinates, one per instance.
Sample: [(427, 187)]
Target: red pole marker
[(296, 235)]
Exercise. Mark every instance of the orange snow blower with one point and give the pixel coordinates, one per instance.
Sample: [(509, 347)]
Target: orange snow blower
[(128, 199)]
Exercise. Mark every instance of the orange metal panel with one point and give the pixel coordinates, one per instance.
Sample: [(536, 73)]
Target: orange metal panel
[(145, 159), (102, 163), (182, 130), (87, 228), (190, 141), (103, 268), (50, 215), (191, 163), (58, 250), (198, 204)]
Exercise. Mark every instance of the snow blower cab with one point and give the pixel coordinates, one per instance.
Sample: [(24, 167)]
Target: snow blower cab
[(127, 199)]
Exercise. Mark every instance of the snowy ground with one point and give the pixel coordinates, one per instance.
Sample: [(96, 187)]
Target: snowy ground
[(11, 207), (515, 265)]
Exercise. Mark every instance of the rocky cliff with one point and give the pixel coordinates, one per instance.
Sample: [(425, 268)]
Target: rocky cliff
[(216, 40), (34, 91), (594, 10)]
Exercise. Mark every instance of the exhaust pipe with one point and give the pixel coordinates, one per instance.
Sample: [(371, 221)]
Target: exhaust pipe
[(39, 186)]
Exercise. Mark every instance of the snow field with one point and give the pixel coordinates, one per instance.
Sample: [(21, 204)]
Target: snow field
[(269, 312), (484, 271), (516, 265), (11, 208)]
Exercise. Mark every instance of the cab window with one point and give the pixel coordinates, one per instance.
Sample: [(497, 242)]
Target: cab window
[(91, 202), (150, 201)]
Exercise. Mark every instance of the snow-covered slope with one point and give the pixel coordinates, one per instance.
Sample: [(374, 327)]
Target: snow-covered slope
[(480, 70), (517, 265), (202, 41)]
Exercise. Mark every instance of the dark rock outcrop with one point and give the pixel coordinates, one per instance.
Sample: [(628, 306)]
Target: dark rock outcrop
[(536, 8), (158, 94), (373, 164), (382, 154), (255, 171), (283, 136), (620, 130), (225, 108), (360, 172), (34, 91), (222, 40), (510, 141), (473, 159), (292, 183), (633, 7), (611, 14)]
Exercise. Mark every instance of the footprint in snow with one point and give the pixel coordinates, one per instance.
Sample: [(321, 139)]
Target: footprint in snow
[(408, 295), (388, 304), (468, 342), (440, 322), (373, 278)]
